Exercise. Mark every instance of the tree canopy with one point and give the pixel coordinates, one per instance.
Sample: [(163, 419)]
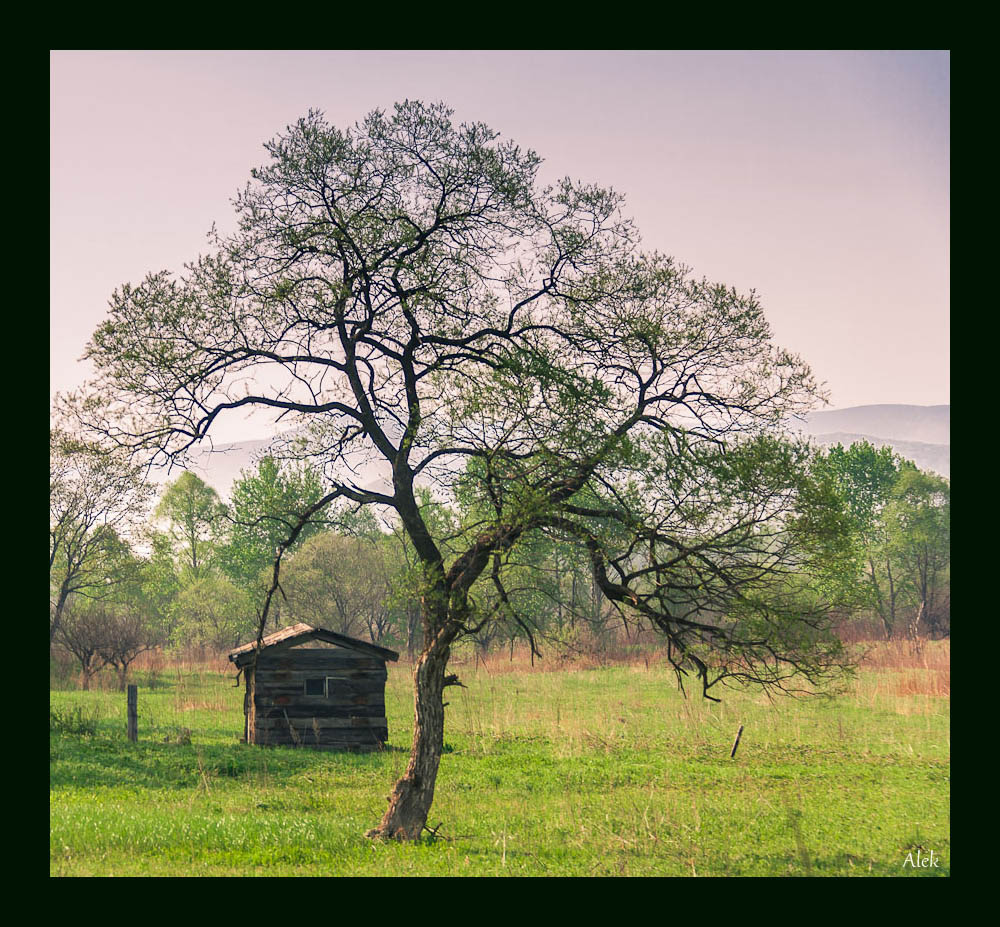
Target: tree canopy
[(194, 512), (95, 495), (422, 308), (264, 508)]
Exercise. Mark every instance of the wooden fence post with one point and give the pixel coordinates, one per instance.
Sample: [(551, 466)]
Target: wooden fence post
[(736, 742), (133, 713)]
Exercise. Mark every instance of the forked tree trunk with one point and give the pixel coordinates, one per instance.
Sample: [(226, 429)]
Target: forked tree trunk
[(411, 798)]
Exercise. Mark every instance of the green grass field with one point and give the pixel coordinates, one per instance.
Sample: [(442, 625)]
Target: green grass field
[(575, 772)]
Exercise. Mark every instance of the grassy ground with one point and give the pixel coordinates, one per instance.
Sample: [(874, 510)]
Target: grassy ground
[(597, 771)]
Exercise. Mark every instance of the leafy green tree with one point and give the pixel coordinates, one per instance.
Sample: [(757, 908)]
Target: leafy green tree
[(865, 477), (95, 495), (194, 513), (341, 583), (139, 616), (158, 583), (548, 593), (265, 505), (410, 293), (121, 624), (918, 528)]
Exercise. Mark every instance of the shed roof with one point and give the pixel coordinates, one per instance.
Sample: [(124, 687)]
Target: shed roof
[(297, 633)]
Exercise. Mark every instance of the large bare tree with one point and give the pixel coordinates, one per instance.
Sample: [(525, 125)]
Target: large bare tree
[(411, 295)]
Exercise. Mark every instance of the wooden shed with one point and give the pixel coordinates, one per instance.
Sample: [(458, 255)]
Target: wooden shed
[(314, 688)]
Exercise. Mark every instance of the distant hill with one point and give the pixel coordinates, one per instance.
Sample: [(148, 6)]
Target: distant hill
[(918, 433), (926, 424)]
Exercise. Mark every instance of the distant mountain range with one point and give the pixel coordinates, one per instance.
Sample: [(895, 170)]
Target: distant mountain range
[(926, 424), (918, 433)]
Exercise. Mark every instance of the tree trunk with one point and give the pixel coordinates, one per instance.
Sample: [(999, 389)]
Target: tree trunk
[(412, 630), (880, 606), (57, 617), (914, 628), (893, 592), (411, 798)]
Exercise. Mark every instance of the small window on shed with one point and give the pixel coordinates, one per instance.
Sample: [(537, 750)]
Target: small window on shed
[(316, 686)]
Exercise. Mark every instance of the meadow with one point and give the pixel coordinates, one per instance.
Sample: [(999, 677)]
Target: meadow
[(575, 769)]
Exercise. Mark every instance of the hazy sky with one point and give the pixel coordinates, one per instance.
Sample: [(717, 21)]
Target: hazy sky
[(819, 179)]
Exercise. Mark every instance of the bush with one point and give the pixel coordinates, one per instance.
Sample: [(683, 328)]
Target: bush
[(71, 721)]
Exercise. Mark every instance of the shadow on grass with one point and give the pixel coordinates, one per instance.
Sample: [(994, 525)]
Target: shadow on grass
[(105, 762)]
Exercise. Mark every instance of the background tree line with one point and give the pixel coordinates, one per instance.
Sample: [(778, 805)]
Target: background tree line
[(128, 576)]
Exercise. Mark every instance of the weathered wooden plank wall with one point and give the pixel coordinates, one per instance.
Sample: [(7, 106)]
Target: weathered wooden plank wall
[(351, 717)]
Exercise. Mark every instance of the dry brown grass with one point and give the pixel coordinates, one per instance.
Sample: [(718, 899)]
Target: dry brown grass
[(588, 656), (191, 661), (906, 654), (901, 672), (913, 667), (906, 677)]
